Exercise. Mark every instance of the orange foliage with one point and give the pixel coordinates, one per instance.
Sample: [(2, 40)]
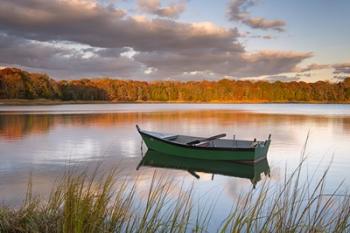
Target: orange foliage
[(18, 84)]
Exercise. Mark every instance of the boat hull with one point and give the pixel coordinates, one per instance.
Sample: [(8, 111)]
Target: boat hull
[(248, 155)]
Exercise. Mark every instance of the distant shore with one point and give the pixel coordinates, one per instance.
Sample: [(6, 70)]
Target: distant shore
[(9, 102), (50, 102), (40, 89)]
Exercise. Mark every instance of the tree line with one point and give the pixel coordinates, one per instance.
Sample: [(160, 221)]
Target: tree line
[(19, 84)]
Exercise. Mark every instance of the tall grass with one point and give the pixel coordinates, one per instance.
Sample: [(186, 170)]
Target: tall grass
[(103, 203)]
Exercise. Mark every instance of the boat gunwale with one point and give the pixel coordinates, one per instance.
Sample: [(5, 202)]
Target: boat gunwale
[(197, 147)]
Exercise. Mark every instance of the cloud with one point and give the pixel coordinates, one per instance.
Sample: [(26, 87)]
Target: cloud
[(236, 63), (61, 60), (342, 68), (261, 23), (256, 36), (238, 11), (282, 78), (341, 77), (72, 38), (341, 71), (274, 62), (267, 37), (154, 7), (313, 66), (100, 26), (303, 75)]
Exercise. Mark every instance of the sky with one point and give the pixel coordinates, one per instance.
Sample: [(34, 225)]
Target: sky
[(273, 40)]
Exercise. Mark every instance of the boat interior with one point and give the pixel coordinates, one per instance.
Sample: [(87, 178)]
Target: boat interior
[(201, 142)]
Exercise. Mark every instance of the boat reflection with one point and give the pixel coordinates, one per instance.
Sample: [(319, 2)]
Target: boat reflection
[(249, 171)]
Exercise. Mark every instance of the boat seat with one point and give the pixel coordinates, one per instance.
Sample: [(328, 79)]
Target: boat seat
[(202, 144), (169, 137)]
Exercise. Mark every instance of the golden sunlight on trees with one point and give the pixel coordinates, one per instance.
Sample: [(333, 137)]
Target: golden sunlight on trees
[(18, 84)]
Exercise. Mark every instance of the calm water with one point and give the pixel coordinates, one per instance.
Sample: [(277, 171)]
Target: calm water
[(45, 140)]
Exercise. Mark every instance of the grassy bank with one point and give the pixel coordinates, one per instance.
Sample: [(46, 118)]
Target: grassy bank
[(103, 203)]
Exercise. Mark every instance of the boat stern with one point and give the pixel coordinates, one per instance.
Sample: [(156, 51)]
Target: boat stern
[(261, 149)]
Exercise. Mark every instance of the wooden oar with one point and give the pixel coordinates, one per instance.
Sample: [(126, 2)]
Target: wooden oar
[(206, 139)]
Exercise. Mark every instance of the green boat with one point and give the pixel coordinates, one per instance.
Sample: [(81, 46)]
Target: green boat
[(249, 171), (212, 148)]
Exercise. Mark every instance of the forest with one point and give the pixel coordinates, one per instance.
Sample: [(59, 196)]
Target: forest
[(19, 84)]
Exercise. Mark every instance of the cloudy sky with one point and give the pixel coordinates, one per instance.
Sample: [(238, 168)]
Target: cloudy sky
[(178, 39)]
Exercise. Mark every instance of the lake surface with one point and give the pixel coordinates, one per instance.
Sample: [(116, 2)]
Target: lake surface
[(45, 140)]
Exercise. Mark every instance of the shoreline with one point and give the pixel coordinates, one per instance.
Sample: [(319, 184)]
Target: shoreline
[(17, 102), (14, 102)]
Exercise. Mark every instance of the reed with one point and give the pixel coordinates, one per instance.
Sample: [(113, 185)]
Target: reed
[(100, 202)]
